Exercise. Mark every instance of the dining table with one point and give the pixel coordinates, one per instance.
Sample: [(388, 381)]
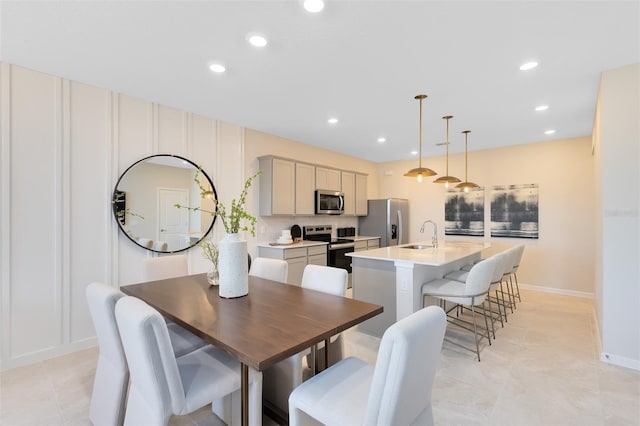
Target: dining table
[(271, 323)]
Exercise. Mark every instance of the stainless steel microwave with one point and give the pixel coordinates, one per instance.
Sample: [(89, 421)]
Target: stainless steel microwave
[(329, 202)]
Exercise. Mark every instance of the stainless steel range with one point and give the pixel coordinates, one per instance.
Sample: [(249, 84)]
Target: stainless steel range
[(338, 247)]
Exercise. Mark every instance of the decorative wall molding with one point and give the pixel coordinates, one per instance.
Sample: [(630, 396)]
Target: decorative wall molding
[(5, 211), (72, 121)]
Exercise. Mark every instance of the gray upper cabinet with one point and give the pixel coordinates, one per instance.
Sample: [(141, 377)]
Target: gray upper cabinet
[(328, 179), (277, 186), (349, 190), (305, 189), (287, 187)]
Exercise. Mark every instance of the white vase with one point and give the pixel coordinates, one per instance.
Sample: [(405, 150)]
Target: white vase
[(232, 267)]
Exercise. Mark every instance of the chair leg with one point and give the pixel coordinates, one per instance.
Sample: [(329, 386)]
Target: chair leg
[(504, 303), (486, 324), (493, 328), (499, 310), (512, 293), (504, 284), (515, 276), (475, 329)]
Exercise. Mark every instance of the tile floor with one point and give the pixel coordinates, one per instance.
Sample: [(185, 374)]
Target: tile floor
[(542, 369)]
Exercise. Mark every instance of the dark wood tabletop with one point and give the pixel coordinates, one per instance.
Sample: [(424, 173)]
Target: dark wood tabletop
[(271, 323)]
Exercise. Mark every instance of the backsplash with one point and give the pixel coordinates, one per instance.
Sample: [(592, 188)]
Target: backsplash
[(268, 228)]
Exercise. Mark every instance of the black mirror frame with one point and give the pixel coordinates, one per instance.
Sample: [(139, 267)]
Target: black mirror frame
[(118, 213)]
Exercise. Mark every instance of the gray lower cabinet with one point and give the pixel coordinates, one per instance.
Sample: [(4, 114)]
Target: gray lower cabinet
[(368, 244), (297, 258)]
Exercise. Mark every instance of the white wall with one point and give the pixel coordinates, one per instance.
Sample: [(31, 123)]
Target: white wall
[(617, 149), (562, 259), (64, 145)]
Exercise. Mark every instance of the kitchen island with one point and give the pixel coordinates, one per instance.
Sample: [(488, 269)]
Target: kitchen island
[(393, 276)]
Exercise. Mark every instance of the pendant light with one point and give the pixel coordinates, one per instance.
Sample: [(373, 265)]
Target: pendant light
[(420, 172), (466, 185), (447, 179)]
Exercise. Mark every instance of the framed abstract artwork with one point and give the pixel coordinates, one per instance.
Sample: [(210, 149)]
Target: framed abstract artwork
[(464, 212), (514, 211)]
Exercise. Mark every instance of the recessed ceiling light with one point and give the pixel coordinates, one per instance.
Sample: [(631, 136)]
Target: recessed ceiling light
[(382, 140), (313, 6), (217, 68), (528, 66), (414, 152), (257, 40), (332, 120), (542, 108), (549, 132)]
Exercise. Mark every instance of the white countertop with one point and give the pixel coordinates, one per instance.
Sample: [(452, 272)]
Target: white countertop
[(303, 243), (445, 253)]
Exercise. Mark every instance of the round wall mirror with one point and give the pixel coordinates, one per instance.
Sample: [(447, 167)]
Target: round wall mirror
[(164, 203)]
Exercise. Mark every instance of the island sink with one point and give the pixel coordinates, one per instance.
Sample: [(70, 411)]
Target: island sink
[(417, 247)]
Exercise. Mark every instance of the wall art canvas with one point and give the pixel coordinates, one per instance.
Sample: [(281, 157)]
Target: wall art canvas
[(464, 212), (514, 211)]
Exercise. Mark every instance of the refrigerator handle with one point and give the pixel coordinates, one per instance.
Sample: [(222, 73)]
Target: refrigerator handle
[(399, 216)]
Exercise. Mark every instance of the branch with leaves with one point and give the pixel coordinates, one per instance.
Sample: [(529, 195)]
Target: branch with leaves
[(210, 251), (237, 219)]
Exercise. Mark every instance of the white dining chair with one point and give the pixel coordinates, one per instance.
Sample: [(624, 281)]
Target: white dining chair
[(333, 281), (281, 378), (397, 391), (270, 269), (163, 385), (471, 293), (164, 267), (112, 373)]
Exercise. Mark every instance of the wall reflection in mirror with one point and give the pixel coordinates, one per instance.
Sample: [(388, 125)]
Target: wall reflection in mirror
[(145, 198)]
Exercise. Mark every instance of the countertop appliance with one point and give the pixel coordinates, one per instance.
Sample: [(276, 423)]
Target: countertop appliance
[(338, 247), (296, 232), (388, 218), (329, 202), (346, 232)]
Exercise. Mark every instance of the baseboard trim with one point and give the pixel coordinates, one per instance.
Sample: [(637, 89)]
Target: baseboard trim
[(565, 292), (620, 361), (39, 356)]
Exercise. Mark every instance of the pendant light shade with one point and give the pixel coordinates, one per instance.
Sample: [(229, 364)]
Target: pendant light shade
[(447, 179), (420, 171), (466, 185)]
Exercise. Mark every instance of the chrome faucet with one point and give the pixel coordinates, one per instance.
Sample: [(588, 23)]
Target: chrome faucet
[(434, 238)]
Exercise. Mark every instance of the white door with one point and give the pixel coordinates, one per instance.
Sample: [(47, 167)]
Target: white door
[(173, 222)]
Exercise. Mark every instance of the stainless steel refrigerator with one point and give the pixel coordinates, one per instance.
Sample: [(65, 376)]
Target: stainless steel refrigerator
[(388, 219)]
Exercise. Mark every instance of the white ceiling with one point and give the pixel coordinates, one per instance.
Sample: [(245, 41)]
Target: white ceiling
[(361, 61)]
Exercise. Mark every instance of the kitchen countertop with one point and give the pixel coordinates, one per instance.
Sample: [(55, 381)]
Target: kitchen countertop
[(303, 243), (446, 252)]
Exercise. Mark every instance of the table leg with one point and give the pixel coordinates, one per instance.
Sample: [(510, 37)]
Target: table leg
[(326, 353), (244, 393), (314, 359)]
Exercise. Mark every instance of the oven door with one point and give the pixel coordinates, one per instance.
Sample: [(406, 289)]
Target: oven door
[(338, 256)]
